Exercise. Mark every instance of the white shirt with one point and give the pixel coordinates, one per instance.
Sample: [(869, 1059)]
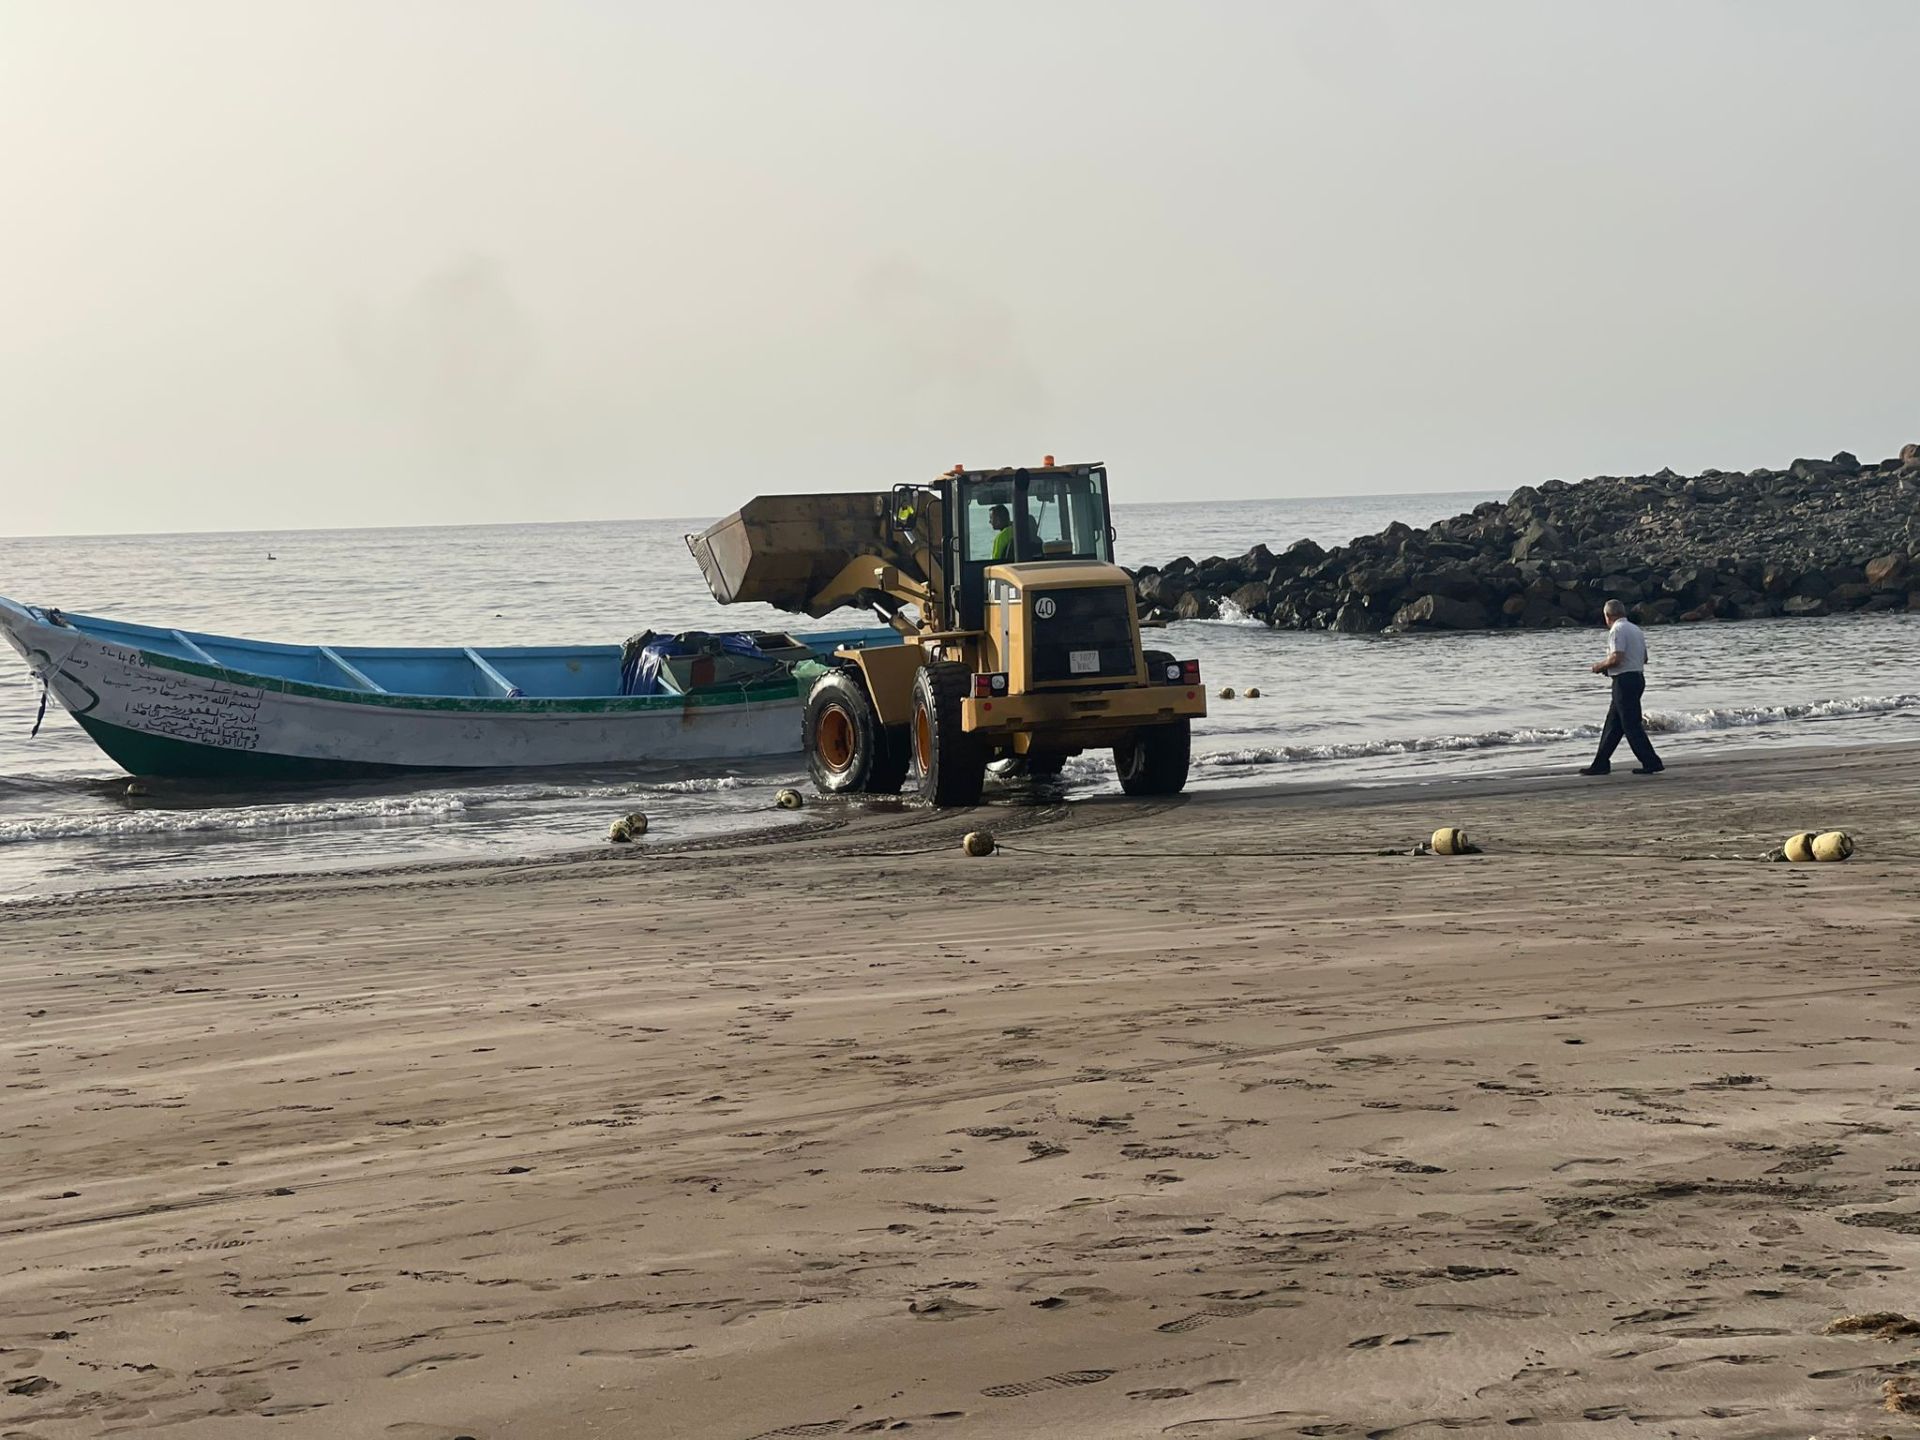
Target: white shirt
[(1629, 642)]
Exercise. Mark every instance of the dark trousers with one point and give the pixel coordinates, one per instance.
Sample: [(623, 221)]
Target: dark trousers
[(1623, 718)]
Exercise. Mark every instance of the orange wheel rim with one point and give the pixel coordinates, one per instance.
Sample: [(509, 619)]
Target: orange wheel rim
[(834, 738), (922, 739)]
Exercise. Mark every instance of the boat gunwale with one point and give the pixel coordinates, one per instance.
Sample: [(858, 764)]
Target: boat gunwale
[(786, 689), (121, 637)]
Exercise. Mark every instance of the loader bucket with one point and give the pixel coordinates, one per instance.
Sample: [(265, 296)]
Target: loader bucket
[(781, 550)]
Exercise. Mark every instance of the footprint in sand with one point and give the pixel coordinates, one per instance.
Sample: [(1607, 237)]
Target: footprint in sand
[(430, 1362), (1229, 1311), (1713, 1360), (1049, 1382)]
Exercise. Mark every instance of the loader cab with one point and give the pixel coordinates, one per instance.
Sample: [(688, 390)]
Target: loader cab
[(1054, 513)]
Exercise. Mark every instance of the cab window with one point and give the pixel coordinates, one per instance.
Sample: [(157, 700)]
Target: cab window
[(983, 501), (1069, 515)]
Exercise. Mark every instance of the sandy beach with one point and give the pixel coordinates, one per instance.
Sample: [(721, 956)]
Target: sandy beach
[(1199, 1119)]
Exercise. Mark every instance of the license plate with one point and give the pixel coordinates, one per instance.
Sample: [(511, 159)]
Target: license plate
[(1084, 662)]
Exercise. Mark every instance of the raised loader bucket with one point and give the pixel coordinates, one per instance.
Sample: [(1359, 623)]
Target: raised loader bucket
[(783, 550)]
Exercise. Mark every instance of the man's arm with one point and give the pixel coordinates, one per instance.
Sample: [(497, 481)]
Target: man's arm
[(1614, 657)]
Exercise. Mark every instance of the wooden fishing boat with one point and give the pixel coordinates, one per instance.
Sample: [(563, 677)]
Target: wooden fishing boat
[(179, 703)]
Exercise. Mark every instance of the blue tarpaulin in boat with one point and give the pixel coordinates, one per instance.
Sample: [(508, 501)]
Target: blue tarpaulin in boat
[(645, 654)]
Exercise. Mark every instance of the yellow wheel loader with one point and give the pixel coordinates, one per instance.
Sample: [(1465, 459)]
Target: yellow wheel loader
[(1022, 635)]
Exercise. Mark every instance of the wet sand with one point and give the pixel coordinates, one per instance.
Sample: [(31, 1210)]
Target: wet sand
[(1188, 1120)]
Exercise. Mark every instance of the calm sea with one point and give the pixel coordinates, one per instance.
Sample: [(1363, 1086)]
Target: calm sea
[(1362, 708)]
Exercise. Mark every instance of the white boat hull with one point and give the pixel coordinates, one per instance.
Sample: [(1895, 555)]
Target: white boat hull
[(159, 716)]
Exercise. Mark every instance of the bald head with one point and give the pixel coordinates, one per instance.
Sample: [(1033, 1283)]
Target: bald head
[(1614, 610)]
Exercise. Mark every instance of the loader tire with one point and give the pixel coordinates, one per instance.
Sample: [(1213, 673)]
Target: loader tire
[(848, 750), (1157, 663), (1155, 760), (951, 764)]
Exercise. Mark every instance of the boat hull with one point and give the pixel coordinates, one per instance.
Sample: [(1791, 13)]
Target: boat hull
[(158, 716)]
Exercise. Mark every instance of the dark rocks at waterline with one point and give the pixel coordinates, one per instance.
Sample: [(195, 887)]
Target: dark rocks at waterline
[(1821, 537)]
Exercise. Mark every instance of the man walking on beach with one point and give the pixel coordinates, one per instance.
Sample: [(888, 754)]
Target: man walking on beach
[(1626, 662)]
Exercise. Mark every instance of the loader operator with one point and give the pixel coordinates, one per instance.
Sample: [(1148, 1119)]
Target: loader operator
[(1001, 519)]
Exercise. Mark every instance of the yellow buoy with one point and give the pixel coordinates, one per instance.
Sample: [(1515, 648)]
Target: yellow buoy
[(978, 842), (1448, 840), (1253, 692), (1799, 847), (1834, 845), (627, 828), (1226, 692), (789, 800), (137, 788)]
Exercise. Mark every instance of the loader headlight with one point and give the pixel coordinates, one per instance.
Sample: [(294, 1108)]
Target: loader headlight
[(985, 687)]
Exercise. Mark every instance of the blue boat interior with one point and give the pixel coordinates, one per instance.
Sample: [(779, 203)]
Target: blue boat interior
[(533, 672)]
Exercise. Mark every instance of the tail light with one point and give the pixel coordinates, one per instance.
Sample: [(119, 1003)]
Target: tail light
[(1190, 672), (986, 687)]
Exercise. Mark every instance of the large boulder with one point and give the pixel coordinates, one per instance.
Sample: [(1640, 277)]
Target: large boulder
[(1301, 555), (1455, 581), (1165, 588), (1536, 540), (1623, 588), (1688, 583), (1197, 605), (1441, 612), (1813, 585), (1354, 618), (1254, 598), (1889, 572)]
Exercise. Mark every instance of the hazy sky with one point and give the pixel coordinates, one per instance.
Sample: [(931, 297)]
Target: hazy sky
[(273, 263)]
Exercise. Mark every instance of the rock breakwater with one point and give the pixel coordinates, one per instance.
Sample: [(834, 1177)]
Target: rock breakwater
[(1820, 537)]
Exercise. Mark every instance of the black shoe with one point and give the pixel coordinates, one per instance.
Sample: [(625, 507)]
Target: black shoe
[(1596, 770), (1648, 769)]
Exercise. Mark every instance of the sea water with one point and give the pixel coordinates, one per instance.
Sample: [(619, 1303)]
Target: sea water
[(1366, 708)]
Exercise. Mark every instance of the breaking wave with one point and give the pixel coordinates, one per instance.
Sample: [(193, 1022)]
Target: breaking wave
[(137, 823), (1734, 718), (156, 818), (1232, 614)]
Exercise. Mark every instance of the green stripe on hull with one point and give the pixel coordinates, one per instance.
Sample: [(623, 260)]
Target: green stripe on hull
[(159, 757)]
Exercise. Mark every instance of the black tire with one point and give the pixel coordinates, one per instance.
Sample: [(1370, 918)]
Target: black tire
[(952, 764), (848, 750), (893, 763), (1157, 662), (1155, 761)]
